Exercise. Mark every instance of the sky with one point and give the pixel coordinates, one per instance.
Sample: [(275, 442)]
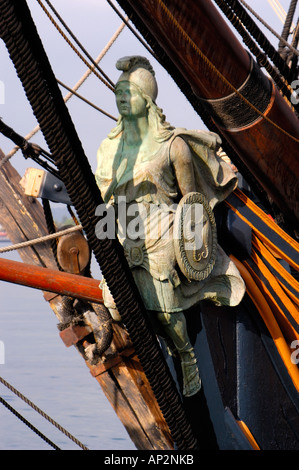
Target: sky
[(94, 22)]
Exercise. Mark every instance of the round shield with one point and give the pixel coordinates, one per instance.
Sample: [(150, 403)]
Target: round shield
[(195, 237)]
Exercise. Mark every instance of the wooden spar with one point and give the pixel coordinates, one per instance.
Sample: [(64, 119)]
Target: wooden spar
[(119, 372), (51, 280), (190, 31)]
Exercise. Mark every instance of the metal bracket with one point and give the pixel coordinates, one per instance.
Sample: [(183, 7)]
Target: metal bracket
[(40, 183)]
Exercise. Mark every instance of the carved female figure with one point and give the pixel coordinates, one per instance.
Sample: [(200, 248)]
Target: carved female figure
[(147, 164)]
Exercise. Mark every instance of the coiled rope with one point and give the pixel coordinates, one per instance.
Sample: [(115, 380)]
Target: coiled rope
[(39, 411), (26, 51)]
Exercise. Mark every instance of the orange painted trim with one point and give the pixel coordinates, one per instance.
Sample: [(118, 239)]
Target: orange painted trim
[(262, 306), (289, 331), (244, 428), (260, 247), (268, 220), (270, 223)]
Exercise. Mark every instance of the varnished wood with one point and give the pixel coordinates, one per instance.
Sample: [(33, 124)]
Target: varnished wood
[(51, 280)]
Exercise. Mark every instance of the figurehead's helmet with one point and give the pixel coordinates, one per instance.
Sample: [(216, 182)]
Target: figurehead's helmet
[(138, 70)]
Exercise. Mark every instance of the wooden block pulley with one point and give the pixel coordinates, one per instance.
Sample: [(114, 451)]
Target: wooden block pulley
[(73, 252)]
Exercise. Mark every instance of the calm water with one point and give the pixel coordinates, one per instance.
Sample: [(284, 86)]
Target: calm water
[(52, 376)]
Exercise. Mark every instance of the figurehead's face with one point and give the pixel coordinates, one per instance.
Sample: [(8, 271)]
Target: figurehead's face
[(130, 102)]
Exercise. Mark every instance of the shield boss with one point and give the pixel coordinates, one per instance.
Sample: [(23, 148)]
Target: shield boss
[(195, 236)]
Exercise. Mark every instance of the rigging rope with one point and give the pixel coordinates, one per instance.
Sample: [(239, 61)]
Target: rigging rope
[(86, 101), (262, 40), (35, 241), (132, 30), (51, 229), (278, 36), (280, 12), (75, 87), (25, 421), (108, 83), (78, 43), (33, 151), (287, 25), (42, 413), (261, 58)]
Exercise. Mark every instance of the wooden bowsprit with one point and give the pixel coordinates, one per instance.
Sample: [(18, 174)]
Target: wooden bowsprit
[(51, 280)]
